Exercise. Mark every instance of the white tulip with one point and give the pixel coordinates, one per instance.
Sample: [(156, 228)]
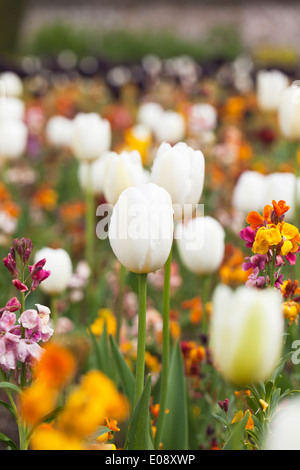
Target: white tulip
[(11, 84), (201, 244), (202, 117), (59, 263), (148, 114), (249, 192), (170, 127), (270, 86), (13, 139), (246, 333), (284, 431), (180, 170), (59, 131), (141, 228), (91, 136), (122, 171), (281, 186), (289, 113), (96, 173), (12, 108)]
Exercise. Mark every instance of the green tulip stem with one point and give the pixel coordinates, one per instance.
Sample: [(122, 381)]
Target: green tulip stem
[(141, 348), (166, 351), (119, 308)]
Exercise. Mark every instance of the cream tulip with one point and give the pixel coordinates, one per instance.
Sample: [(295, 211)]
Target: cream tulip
[(12, 84), (91, 136), (249, 192), (121, 172), (170, 127), (141, 228), (180, 170), (13, 139), (97, 174), (270, 86), (246, 333), (12, 108), (59, 131), (148, 114), (289, 113), (201, 244), (59, 263)]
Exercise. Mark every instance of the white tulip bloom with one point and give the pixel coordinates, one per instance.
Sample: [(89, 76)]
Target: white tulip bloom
[(289, 112), (249, 192), (12, 108), (96, 171), (284, 432), (11, 84), (59, 263), (246, 333), (202, 117), (170, 127), (201, 244), (281, 186), (148, 114), (13, 139), (141, 228), (180, 170), (270, 86), (59, 131), (122, 171), (91, 136)]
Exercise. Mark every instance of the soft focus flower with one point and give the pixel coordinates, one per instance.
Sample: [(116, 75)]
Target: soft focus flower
[(96, 174), (12, 84), (141, 228), (289, 112), (180, 170), (59, 131), (249, 192), (284, 431), (281, 186), (170, 127), (149, 113), (12, 109), (91, 136), (59, 263), (201, 244), (270, 86), (239, 416), (105, 317), (122, 171), (246, 333), (202, 117), (13, 139), (139, 137)]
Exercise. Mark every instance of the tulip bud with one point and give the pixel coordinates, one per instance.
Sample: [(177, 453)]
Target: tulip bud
[(180, 170), (141, 228), (91, 136), (59, 131), (284, 430), (246, 333), (201, 244), (289, 112), (59, 263), (122, 171), (170, 127), (12, 83), (13, 139), (270, 86)]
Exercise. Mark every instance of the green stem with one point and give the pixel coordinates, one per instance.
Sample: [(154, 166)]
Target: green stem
[(90, 213), (22, 302), (119, 309), (53, 308), (141, 349), (272, 268), (166, 351)]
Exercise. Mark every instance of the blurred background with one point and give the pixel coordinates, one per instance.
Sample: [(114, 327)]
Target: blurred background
[(115, 31)]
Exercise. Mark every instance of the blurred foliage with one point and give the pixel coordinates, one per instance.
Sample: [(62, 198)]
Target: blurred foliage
[(222, 42), (11, 14)]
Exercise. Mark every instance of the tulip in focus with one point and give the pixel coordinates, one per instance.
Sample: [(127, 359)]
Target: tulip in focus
[(59, 263), (141, 228), (201, 244), (180, 170), (270, 86), (91, 136), (246, 333)]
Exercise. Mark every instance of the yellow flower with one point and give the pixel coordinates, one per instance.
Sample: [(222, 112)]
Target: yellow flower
[(36, 402), (265, 238), (263, 404), (239, 416), (47, 437), (105, 317), (291, 310)]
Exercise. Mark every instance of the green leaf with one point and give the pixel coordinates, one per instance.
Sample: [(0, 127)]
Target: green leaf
[(10, 386), (235, 441), (138, 437), (9, 442), (8, 407), (126, 376), (175, 428)]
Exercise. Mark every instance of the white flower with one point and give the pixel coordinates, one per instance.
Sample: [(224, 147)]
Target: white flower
[(249, 192), (202, 117), (12, 108), (13, 139), (11, 83), (148, 114), (59, 131), (180, 170), (141, 228), (289, 113), (246, 333), (170, 127), (284, 431), (59, 263), (91, 136), (270, 86), (281, 186), (96, 172), (122, 171), (201, 244)]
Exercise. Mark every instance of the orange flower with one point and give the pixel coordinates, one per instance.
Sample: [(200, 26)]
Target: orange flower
[(255, 220), (46, 198), (112, 424), (280, 207)]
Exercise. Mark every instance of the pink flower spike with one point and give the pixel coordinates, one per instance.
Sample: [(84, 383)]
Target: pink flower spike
[(19, 285)]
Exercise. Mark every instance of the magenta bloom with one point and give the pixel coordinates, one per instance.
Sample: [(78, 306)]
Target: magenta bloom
[(19, 285), (12, 306), (38, 274), (248, 235)]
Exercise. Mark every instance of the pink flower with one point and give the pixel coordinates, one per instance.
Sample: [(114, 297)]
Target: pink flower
[(19, 285), (36, 324), (38, 274)]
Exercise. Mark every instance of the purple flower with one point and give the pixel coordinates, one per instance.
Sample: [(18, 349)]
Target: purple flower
[(248, 235), (19, 285), (38, 274)]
